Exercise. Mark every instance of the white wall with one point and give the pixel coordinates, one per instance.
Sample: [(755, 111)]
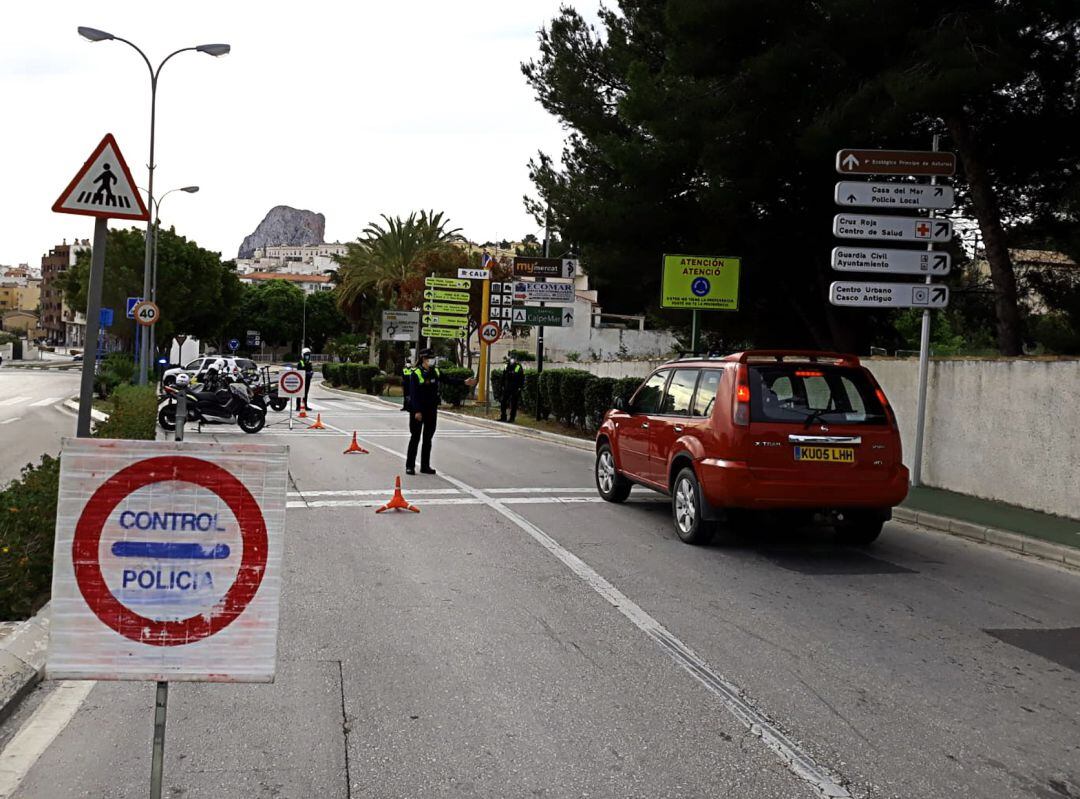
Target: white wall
[(603, 343), (1005, 430), (614, 369)]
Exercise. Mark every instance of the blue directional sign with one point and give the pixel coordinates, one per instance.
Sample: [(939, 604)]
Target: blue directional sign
[(105, 317), (131, 303), (234, 344)]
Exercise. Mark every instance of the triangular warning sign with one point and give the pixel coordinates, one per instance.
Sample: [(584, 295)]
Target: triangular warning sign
[(103, 187)]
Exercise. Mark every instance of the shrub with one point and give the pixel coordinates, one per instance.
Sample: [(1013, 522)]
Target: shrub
[(133, 415), (455, 394), (599, 398), (335, 373), (378, 385), (524, 356), (498, 377), (327, 369), (624, 389), (572, 388), (27, 528), (529, 394), (351, 373), (550, 393), (114, 369), (365, 374)]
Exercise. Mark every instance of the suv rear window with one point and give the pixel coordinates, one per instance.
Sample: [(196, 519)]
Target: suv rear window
[(811, 393)]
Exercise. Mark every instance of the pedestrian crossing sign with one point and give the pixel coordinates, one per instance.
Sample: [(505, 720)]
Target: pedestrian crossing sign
[(103, 187)]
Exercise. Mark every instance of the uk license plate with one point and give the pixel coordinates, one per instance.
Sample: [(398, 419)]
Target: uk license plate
[(825, 454)]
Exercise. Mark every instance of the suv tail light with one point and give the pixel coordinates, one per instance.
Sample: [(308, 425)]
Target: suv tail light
[(741, 409), (888, 408)]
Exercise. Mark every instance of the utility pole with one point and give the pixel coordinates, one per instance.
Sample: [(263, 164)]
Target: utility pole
[(540, 328)]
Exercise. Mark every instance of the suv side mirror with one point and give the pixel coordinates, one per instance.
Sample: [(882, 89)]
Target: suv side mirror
[(620, 404)]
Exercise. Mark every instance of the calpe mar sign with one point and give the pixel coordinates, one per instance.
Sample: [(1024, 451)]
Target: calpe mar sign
[(701, 282), (167, 563)]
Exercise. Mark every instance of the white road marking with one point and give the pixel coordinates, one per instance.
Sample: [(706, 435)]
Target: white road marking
[(9, 421), (14, 400), (802, 764), (589, 490), (46, 401), (373, 492), (38, 732)]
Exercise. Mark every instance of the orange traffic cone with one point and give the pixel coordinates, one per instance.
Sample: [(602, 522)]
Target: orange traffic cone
[(303, 412), (318, 423), (398, 502), (355, 446)]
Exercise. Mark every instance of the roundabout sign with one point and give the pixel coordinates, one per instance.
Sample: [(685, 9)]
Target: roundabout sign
[(167, 561)]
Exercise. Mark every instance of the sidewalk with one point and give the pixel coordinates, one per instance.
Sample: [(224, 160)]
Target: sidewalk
[(1019, 529)]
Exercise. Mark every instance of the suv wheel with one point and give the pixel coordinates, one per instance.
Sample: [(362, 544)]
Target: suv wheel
[(859, 529), (686, 509), (612, 486)]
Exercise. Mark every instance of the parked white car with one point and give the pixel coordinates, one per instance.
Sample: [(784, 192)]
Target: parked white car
[(196, 367)]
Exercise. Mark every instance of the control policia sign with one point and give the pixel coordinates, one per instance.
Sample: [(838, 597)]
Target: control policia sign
[(167, 562)]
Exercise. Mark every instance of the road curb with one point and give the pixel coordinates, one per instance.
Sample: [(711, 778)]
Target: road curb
[(524, 432), (95, 414), (1025, 545), (22, 660)]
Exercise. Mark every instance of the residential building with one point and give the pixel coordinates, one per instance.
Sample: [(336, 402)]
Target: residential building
[(1027, 262), (15, 296), (56, 316), (22, 323), (307, 282), (309, 259)]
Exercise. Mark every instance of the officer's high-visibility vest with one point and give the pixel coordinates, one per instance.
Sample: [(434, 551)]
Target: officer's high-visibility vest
[(420, 374)]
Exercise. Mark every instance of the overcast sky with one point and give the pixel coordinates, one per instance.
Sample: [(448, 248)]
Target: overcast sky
[(349, 109)]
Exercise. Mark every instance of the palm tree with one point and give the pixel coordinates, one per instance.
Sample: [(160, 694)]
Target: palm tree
[(387, 255)]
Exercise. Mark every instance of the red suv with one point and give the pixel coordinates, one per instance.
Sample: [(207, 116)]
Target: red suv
[(777, 430)]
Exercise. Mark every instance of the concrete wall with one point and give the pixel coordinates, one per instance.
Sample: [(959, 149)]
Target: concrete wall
[(614, 369), (604, 343), (1005, 430)]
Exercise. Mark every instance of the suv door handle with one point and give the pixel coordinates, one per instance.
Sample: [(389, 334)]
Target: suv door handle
[(644, 425), (678, 428)]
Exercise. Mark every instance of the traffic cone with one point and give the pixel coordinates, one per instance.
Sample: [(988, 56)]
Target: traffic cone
[(355, 446), (318, 423), (303, 411), (398, 502)]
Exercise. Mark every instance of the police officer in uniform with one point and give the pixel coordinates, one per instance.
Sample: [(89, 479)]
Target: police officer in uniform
[(513, 382), (423, 402), (406, 375), (306, 365)]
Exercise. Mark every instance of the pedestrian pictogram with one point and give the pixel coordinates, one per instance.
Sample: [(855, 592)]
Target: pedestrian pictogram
[(167, 562), (490, 332), (103, 187)]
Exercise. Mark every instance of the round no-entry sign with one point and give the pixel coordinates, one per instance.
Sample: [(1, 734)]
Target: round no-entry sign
[(146, 313), (145, 575), (291, 382), (490, 332)]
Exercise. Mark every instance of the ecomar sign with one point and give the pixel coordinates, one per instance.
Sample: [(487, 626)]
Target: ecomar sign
[(699, 282)]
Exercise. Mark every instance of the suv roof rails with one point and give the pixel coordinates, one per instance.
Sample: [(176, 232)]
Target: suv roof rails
[(690, 355), (814, 356)]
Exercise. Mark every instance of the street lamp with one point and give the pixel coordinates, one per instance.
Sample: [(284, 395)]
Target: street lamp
[(155, 205), (95, 35)]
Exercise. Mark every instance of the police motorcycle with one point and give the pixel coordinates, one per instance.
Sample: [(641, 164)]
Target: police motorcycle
[(220, 400), (264, 390)]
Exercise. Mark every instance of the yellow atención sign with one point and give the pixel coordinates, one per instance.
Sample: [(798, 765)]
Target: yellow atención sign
[(701, 282)]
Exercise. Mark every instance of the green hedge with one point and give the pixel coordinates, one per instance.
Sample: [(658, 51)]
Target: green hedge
[(114, 369), (27, 527), (354, 375), (133, 414), (378, 385), (599, 398), (572, 388), (455, 394), (625, 387), (529, 395), (498, 378)]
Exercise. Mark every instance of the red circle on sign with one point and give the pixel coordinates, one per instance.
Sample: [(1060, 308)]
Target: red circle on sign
[(86, 544), (291, 382), (490, 332)]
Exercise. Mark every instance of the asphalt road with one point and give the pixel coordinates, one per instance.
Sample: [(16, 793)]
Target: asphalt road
[(32, 421), (520, 638)]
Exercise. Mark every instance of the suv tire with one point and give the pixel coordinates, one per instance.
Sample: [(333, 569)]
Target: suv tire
[(611, 485), (859, 529), (686, 506)]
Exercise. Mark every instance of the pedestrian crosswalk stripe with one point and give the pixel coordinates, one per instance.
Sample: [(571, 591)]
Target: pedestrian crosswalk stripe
[(13, 400), (46, 401), (9, 421)]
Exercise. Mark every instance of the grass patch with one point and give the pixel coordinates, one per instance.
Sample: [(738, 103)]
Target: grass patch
[(525, 420)]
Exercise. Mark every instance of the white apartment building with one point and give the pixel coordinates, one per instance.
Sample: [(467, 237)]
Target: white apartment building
[(309, 259)]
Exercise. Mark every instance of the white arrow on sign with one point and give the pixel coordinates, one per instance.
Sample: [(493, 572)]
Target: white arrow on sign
[(888, 295), (891, 228), (893, 195), (897, 262), (850, 162)]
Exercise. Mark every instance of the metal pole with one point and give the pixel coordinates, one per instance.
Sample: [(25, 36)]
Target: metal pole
[(157, 763), (153, 276), (93, 322), (540, 328), (144, 360), (924, 366), (303, 325), (181, 413), (694, 331)]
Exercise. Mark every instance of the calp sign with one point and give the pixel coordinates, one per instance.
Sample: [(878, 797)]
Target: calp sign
[(168, 561)]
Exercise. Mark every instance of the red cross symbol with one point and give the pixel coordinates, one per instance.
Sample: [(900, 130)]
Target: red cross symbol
[(922, 230)]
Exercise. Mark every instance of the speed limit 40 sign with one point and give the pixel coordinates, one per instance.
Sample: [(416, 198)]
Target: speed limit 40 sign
[(146, 313), (490, 332)]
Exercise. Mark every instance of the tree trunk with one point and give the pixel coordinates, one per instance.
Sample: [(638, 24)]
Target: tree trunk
[(985, 202), (373, 348)]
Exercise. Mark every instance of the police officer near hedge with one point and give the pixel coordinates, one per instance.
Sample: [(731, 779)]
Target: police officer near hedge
[(406, 375), (513, 383), (306, 365), (423, 401)]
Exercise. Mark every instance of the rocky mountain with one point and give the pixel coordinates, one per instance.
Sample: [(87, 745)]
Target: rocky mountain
[(285, 225)]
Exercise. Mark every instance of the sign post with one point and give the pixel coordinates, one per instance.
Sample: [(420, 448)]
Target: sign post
[(700, 283), (103, 188), (167, 566)]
